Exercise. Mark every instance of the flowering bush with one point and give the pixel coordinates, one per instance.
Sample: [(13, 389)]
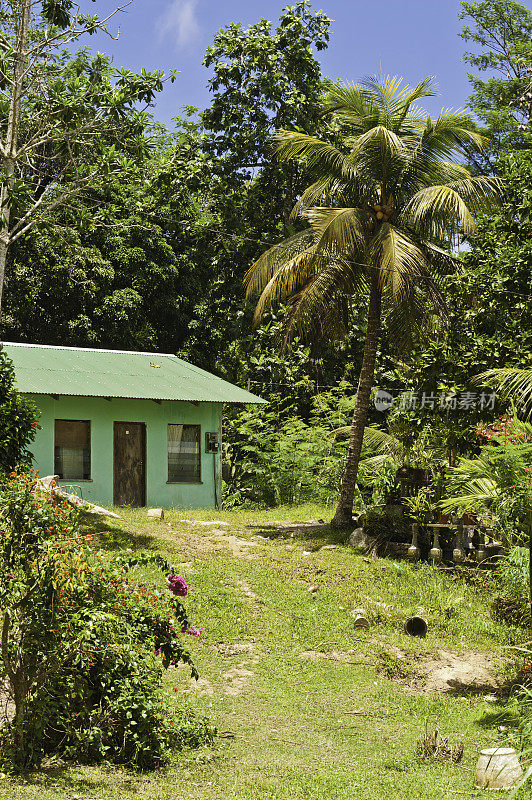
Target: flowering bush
[(506, 430), (497, 484), (83, 643)]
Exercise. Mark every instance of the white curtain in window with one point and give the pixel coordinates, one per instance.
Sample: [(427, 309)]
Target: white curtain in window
[(184, 454)]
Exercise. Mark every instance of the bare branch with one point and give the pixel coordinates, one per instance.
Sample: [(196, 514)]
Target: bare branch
[(72, 33)]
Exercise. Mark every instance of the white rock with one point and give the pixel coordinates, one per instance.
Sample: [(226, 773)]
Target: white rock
[(155, 513), (360, 540)]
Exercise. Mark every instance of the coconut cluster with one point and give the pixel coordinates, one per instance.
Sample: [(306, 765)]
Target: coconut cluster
[(383, 212), (380, 212)]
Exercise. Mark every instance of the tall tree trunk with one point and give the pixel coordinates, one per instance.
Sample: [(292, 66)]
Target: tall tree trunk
[(344, 509), (10, 146)]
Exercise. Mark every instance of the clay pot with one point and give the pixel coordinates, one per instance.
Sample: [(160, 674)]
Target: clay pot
[(361, 620), (413, 550), (498, 768), (435, 553)]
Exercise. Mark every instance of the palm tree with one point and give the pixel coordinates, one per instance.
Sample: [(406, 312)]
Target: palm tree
[(387, 196)]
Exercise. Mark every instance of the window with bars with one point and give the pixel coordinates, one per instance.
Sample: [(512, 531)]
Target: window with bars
[(184, 453), (72, 452)]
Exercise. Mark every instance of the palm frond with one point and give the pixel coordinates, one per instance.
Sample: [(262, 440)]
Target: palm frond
[(425, 88), (375, 439), (381, 442), (475, 495), (337, 231), (451, 132), (379, 139), (479, 484), (397, 258), (371, 466), (324, 188), (392, 90), (413, 320), (513, 383), (313, 152), (352, 104), (480, 192), (472, 485), (287, 280), (421, 171), (261, 272), (439, 210), (441, 261), (321, 305)]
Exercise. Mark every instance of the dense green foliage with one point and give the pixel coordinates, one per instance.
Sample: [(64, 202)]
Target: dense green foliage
[(263, 77), (69, 122), (276, 457), (18, 420), (513, 600), (501, 35), (153, 254), (497, 484), (111, 280), (83, 643)]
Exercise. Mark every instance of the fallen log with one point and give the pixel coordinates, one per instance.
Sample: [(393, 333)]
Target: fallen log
[(50, 485)]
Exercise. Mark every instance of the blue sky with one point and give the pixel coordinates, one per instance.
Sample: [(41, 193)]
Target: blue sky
[(412, 38)]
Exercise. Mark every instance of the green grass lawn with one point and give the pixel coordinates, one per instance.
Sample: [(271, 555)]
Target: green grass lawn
[(306, 706)]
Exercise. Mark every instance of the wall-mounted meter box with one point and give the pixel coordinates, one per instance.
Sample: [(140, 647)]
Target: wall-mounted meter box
[(212, 442)]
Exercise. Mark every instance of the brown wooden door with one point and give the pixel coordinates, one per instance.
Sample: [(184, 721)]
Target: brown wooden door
[(129, 464)]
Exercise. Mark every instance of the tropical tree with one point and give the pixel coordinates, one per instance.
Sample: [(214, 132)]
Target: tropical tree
[(264, 77), (387, 198), (62, 117), (500, 32)]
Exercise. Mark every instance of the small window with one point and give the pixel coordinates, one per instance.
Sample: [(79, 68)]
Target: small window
[(72, 453), (184, 454)]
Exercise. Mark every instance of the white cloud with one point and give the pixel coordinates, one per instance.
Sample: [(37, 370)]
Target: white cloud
[(180, 20)]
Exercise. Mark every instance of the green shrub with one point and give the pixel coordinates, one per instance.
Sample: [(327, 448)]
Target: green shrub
[(274, 457), (83, 644), (512, 602), (18, 420)]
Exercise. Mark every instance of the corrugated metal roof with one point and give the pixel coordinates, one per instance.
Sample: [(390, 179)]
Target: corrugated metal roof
[(45, 369)]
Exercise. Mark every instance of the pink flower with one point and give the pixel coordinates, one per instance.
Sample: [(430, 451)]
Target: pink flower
[(177, 585), (192, 631)]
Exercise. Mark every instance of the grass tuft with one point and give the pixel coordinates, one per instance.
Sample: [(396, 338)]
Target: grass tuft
[(433, 745)]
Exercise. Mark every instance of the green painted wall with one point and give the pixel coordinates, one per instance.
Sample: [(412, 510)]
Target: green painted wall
[(102, 414)]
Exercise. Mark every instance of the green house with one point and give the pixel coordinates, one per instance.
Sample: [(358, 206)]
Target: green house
[(126, 428)]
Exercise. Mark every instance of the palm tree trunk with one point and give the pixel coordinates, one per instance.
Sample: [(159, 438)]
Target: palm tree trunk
[(344, 510)]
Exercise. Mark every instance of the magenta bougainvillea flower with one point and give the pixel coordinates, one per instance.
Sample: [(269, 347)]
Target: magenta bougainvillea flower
[(192, 631), (177, 585)]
